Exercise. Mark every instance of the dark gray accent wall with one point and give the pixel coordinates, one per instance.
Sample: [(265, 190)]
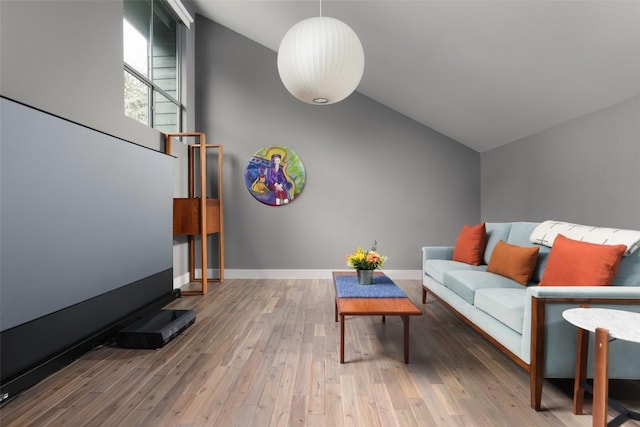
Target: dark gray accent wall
[(65, 57), (371, 172), (584, 171), (83, 213)]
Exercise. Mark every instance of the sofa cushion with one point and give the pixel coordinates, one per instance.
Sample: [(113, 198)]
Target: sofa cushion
[(628, 271), (520, 232), (437, 267), (469, 246), (581, 264), (515, 262), (543, 258), (496, 231), (465, 282), (519, 235), (504, 305)]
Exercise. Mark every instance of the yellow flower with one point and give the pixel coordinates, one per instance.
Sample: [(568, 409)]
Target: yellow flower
[(365, 260)]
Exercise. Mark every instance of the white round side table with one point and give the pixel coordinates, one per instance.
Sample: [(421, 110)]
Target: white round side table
[(608, 325)]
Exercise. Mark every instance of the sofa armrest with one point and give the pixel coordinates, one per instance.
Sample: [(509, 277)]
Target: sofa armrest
[(573, 296), (436, 252), (543, 316), (578, 293)]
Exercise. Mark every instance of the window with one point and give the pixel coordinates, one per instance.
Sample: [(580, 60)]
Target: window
[(152, 63)]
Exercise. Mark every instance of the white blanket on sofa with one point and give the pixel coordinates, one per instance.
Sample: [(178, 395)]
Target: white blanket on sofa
[(545, 234)]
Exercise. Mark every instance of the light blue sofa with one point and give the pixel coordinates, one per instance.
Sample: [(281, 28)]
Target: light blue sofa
[(526, 323)]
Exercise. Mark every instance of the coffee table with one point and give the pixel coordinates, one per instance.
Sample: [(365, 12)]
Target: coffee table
[(398, 305)]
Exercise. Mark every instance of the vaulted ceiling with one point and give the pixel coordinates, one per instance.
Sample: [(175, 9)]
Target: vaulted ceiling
[(484, 73)]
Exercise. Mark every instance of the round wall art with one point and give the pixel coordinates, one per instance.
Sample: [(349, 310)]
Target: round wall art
[(275, 176)]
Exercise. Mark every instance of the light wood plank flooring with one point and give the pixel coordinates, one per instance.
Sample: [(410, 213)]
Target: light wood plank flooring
[(265, 353)]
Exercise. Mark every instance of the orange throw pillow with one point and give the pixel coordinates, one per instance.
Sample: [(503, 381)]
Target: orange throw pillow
[(469, 247), (574, 263), (515, 262)]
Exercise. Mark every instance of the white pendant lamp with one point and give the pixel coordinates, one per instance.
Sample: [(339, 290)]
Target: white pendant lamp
[(320, 60)]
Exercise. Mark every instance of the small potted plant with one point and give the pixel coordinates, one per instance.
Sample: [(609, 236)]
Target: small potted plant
[(365, 263)]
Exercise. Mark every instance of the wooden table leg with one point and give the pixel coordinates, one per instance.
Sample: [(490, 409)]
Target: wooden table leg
[(582, 353), (600, 377), (405, 321), (384, 319), (341, 338)]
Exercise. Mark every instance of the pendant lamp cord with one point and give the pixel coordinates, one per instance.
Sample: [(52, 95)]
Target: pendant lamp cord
[(321, 8)]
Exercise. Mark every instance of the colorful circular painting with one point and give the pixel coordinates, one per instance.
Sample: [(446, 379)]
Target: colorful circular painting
[(275, 176)]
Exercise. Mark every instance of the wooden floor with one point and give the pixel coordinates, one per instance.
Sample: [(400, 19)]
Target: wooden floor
[(265, 353)]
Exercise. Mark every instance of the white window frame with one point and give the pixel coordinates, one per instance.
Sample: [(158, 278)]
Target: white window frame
[(183, 17)]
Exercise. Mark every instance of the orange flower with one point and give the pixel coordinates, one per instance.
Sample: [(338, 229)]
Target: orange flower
[(365, 260)]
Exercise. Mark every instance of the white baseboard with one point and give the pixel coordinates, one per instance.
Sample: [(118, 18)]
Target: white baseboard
[(180, 281), (289, 274)]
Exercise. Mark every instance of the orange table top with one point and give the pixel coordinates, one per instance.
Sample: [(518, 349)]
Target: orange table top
[(375, 306)]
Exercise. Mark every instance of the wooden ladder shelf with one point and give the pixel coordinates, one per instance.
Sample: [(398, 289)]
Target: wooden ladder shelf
[(199, 215)]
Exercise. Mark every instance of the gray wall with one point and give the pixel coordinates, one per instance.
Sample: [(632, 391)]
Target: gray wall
[(371, 172), (65, 57), (584, 171), (418, 186)]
